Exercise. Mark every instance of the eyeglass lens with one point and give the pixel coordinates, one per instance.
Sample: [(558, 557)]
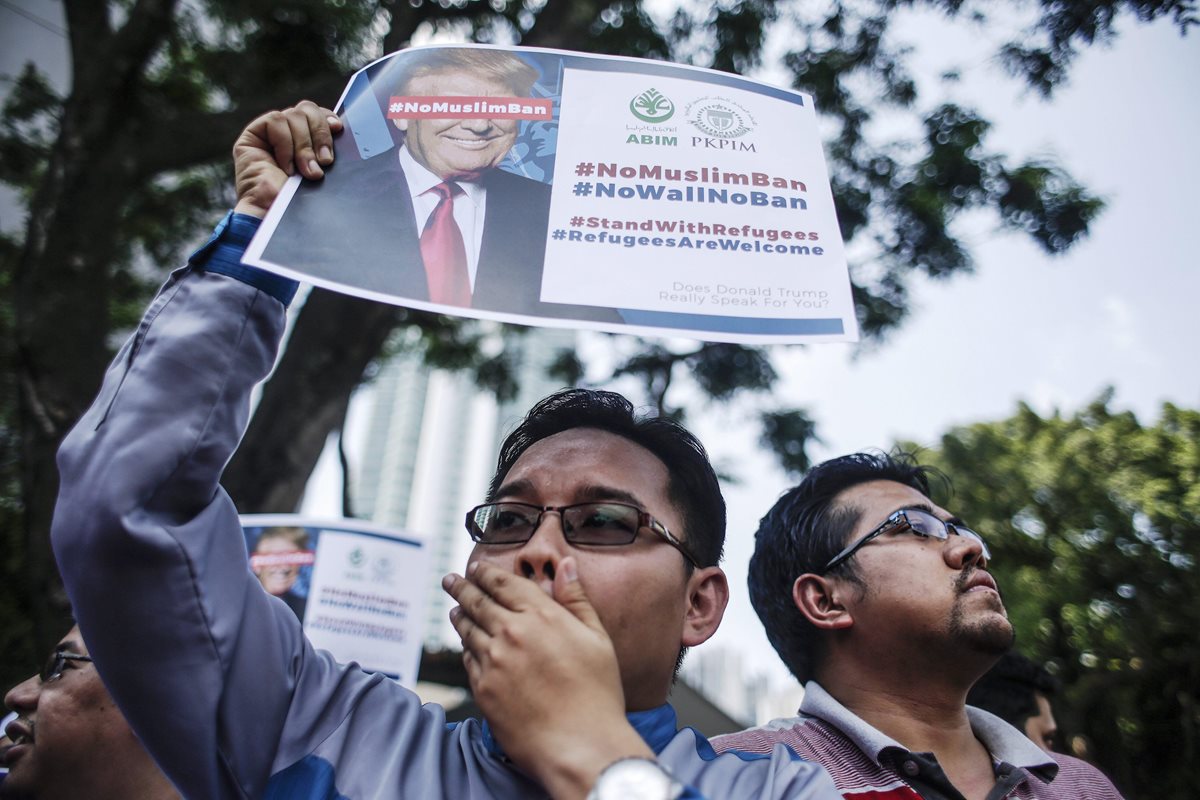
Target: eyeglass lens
[(49, 668), (585, 523), (923, 523), (54, 666), (56, 663)]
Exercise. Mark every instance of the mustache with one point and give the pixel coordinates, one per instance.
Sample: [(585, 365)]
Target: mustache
[(960, 583), (967, 579)]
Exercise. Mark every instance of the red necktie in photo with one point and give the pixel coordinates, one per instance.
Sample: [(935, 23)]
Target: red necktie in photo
[(443, 251)]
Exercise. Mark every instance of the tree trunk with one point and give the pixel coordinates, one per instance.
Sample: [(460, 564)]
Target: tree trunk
[(63, 292), (334, 339), (61, 343)]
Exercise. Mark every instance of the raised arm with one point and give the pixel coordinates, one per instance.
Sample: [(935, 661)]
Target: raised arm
[(203, 663)]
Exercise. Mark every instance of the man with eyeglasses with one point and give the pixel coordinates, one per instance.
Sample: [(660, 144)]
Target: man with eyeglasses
[(69, 738), (880, 602), (595, 565)]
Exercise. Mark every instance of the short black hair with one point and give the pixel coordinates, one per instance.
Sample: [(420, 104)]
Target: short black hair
[(801, 533), (1009, 689), (692, 484)]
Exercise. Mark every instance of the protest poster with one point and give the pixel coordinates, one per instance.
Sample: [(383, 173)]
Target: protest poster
[(359, 589), (560, 189)]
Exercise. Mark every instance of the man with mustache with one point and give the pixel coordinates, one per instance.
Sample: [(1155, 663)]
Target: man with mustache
[(69, 739), (880, 602)]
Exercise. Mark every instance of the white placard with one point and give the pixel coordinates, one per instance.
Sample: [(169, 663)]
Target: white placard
[(360, 589), (722, 208), (568, 190)]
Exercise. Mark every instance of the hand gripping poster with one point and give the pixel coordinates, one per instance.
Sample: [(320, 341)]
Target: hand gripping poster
[(559, 189), (359, 589)]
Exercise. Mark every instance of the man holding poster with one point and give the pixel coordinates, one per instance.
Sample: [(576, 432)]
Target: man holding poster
[(436, 220), (595, 564)]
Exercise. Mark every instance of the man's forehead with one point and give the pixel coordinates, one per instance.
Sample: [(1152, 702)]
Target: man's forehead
[(876, 500), (583, 493), (590, 464)]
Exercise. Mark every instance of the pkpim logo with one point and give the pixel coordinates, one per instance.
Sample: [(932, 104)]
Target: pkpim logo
[(652, 106), (716, 116)]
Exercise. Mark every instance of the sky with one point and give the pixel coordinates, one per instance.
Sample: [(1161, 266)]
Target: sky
[(1117, 310)]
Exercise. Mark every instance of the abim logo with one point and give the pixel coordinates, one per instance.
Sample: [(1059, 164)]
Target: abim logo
[(652, 106)]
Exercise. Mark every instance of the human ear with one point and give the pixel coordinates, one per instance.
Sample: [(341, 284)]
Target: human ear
[(708, 594), (402, 124), (820, 600)]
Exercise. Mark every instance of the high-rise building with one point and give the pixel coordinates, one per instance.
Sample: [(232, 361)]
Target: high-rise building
[(430, 449), (722, 674)]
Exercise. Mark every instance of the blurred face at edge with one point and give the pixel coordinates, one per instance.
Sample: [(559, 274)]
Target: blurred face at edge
[(70, 740)]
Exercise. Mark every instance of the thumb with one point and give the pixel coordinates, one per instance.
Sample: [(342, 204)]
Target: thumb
[(569, 593)]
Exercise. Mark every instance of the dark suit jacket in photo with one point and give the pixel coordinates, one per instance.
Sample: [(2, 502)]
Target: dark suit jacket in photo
[(372, 242)]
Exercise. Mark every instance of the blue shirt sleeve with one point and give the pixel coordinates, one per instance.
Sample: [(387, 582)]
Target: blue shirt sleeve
[(223, 252)]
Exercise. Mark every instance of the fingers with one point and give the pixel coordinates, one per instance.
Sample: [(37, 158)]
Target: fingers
[(476, 641), (488, 598), (488, 588), (322, 125), (279, 144), (474, 601), (472, 636), (311, 141), (301, 138), (569, 593), (298, 138)]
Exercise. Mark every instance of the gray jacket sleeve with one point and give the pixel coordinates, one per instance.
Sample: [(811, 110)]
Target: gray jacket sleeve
[(202, 661)]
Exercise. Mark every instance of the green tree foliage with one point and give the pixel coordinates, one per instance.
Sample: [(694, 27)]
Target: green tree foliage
[(1044, 56), (1094, 521), (132, 164)]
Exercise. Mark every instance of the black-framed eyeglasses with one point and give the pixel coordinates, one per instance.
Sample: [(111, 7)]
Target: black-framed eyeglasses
[(52, 670), (922, 523), (606, 524)]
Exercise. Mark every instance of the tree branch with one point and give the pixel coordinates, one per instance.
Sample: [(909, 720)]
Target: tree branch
[(190, 138), (344, 461), (146, 27), (563, 23), (88, 32), (405, 19), (306, 399)]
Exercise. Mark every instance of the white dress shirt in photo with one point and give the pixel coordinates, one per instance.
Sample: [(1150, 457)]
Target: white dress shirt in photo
[(469, 207)]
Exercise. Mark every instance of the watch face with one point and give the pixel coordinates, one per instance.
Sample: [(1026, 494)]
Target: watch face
[(635, 779)]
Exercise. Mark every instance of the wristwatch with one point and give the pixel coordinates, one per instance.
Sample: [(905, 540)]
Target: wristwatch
[(635, 778)]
